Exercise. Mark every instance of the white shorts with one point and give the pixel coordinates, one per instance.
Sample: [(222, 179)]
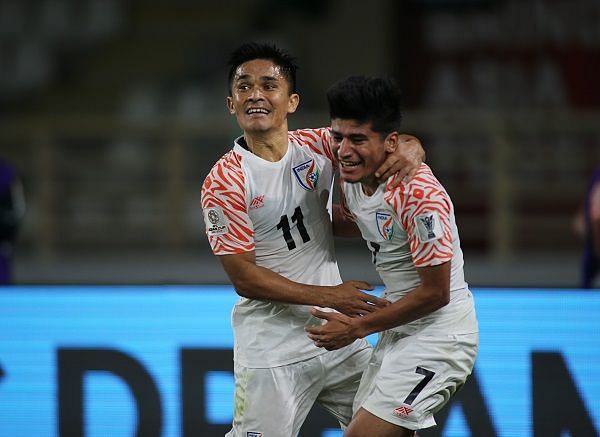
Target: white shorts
[(274, 402), (410, 377)]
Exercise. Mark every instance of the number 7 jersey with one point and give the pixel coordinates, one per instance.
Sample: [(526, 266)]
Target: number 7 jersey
[(279, 211)]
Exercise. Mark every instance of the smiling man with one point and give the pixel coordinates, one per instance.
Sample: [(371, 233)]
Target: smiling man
[(428, 339), (265, 206)]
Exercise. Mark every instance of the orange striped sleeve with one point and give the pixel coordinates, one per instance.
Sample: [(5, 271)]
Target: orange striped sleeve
[(424, 209), (228, 226), (317, 140)]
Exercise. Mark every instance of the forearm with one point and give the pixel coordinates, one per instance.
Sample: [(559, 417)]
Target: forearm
[(256, 282), (414, 305)]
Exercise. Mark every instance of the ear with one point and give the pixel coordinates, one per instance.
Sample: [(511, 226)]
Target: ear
[(230, 107), (293, 103), (391, 142)]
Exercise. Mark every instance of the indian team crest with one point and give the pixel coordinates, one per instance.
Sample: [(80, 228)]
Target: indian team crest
[(307, 174), (385, 224)]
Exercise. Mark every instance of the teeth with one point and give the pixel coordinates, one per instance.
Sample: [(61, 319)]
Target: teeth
[(348, 164), (257, 111)]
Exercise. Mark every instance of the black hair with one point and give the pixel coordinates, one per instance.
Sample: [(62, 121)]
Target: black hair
[(366, 99), (252, 50)]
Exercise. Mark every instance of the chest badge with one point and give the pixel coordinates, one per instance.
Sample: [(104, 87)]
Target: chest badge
[(385, 224), (307, 174)]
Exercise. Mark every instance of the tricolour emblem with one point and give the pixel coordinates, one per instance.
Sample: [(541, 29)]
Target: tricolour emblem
[(385, 224), (307, 174)]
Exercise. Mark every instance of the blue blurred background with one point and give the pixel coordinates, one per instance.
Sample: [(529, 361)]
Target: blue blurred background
[(157, 361)]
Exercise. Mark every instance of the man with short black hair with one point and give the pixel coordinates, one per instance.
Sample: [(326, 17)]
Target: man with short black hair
[(429, 334)]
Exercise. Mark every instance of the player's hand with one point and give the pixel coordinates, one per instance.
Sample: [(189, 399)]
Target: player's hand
[(348, 298), (404, 161), (339, 331)]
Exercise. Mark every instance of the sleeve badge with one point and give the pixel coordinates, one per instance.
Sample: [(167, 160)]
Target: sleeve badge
[(428, 227), (216, 223)]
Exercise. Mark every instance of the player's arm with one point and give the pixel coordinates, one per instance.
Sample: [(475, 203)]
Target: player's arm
[(432, 294), (404, 161), (256, 282)]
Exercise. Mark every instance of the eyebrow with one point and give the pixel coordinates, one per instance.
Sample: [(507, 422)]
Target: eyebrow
[(262, 78), (351, 135)]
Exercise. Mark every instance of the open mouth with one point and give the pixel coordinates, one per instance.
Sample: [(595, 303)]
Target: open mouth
[(347, 164), (252, 111)]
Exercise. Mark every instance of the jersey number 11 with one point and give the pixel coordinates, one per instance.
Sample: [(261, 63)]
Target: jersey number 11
[(284, 225)]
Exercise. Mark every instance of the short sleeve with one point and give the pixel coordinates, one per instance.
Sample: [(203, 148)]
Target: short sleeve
[(424, 209), (228, 226), (318, 140)]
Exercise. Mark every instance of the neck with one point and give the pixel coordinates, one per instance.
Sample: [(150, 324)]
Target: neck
[(369, 185), (267, 145)]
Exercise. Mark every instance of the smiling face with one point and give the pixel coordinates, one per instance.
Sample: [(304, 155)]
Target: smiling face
[(260, 97), (360, 150)]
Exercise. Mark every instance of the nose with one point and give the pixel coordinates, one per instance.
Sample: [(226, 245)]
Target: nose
[(344, 148), (255, 94)]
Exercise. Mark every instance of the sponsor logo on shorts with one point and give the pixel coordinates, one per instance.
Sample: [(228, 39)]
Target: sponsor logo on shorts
[(253, 434), (306, 174), (403, 411)]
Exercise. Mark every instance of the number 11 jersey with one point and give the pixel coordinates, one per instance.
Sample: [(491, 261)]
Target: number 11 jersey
[(279, 210)]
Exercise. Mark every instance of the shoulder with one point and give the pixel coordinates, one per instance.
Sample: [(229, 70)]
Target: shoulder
[(317, 140), (225, 176), (229, 163), (423, 188), (309, 135)]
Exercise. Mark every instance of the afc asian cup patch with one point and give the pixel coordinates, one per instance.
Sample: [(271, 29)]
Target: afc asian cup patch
[(307, 174), (385, 225), (428, 227), (216, 223)]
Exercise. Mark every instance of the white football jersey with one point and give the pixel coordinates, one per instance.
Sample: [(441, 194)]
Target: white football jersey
[(413, 226), (279, 210)]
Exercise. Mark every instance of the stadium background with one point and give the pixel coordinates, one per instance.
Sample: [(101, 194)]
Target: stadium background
[(113, 112)]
